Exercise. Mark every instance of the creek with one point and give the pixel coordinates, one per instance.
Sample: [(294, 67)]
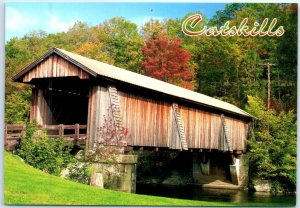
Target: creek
[(221, 195)]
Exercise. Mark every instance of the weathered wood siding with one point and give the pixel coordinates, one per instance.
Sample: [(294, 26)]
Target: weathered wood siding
[(238, 131), (148, 120), (55, 66), (98, 107), (151, 123), (204, 130), (40, 110), (201, 128)]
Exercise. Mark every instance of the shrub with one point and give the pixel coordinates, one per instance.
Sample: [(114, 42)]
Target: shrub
[(47, 154), (80, 172)]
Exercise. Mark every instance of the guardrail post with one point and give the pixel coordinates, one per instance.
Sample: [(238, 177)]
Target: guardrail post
[(24, 131), (76, 131), (61, 130)]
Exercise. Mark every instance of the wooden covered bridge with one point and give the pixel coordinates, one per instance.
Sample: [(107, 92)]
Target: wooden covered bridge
[(71, 89)]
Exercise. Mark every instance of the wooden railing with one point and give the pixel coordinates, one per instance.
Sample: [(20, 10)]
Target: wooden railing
[(77, 133), (14, 131), (67, 131)]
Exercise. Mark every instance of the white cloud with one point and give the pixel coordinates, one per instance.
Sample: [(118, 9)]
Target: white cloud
[(16, 20), (19, 22), (57, 25)]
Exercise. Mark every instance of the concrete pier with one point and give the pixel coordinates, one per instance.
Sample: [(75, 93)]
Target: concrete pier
[(119, 175), (214, 170), (201, 165), (235, 172)]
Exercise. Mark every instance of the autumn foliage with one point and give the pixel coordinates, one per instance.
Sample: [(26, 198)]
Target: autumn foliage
[(166, 60)]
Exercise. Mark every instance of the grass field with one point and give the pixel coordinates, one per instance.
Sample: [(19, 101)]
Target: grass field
[(26, 185)]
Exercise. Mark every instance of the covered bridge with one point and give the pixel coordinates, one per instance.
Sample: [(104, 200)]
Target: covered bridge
[(69, 89)]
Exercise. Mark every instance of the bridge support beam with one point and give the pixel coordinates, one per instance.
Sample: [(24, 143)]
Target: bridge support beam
[(120, 174), (201, 166)]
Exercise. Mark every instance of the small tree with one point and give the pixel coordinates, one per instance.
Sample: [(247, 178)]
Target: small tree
[(110, 136), (110, 133)]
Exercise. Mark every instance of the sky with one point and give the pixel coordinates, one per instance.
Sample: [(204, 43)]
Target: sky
[(22, 18)]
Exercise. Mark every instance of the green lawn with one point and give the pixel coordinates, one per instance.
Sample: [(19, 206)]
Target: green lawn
[(24, 184)]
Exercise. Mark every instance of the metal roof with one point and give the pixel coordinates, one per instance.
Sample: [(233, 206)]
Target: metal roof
[(96, 67)]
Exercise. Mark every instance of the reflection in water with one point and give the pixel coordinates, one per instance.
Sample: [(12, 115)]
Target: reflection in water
[(221, 195)]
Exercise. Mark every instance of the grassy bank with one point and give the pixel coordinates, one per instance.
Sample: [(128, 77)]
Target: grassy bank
[(25, 185)]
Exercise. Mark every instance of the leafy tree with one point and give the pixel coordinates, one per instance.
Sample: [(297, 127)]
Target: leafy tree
[(286, 54), (273, 151), (78, 34), (124, 43), (228, 13), (17, 107), (230, 68), (152, 29), (164, 59), (170, 27), (94, 51)]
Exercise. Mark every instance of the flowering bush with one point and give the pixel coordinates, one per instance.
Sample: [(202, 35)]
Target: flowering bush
[(112, 137), (110, 133)]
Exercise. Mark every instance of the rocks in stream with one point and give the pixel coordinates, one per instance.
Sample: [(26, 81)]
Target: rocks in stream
[(260, 185), (175, 179)]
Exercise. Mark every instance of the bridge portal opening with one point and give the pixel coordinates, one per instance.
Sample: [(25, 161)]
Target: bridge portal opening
[(60, 101)]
